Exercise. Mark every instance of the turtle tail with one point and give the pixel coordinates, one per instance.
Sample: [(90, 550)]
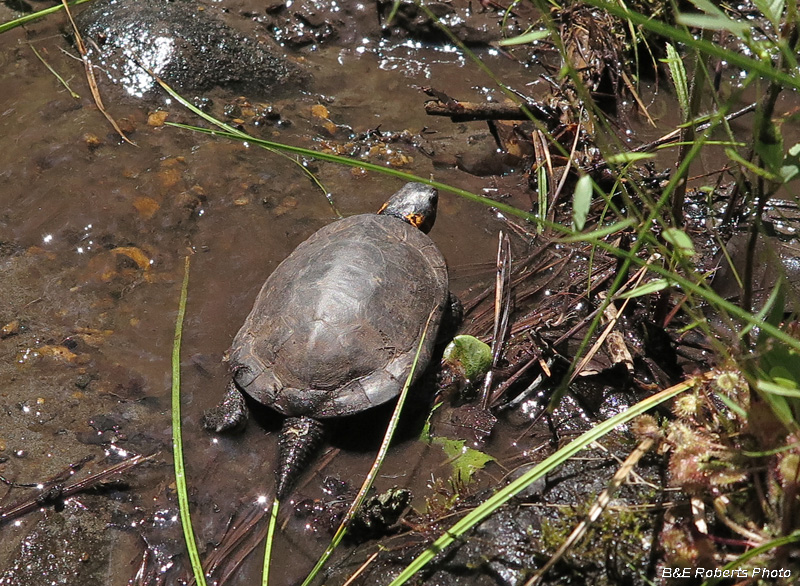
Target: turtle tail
[(299, 439)]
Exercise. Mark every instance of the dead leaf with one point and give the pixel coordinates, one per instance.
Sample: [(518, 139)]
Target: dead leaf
[(137, 255)]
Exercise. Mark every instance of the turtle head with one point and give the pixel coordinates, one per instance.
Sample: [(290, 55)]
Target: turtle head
[(415, 203)]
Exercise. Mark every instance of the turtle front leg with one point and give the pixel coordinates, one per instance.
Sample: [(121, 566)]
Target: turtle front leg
[(451, 319), (230, 415)]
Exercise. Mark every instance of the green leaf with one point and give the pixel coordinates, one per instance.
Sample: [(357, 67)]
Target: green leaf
[(772, 9), (465, 460), (708, 7), (678, 73), (772, 312), (524, 38), (715, 18), (541, 185), (624, 158), (679, 240), (775, 396), (737, 158), (653, 286), (713, 22), (791, 164), (425, 434), (600, 233), (469, 356), (581, 202), (783, 387)]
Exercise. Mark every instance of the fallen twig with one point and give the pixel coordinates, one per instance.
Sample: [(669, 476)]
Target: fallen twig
[(502, 309), (90, 78), (55, 491), (469, 111), (675, 134)]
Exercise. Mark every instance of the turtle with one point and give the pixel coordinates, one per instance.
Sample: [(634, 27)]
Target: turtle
[(336, 327)]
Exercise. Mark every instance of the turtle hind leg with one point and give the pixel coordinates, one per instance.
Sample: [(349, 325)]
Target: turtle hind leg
[(299, 439), (230, 415)]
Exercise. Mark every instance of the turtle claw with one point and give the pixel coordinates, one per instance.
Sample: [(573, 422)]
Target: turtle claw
[(230, 415)]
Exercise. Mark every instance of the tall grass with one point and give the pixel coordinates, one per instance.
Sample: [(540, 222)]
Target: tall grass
[(766, 164)]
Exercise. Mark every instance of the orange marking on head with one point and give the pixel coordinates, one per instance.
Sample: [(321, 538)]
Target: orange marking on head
[(416, 220)]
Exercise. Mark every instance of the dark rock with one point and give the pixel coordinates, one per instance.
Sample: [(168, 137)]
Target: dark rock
[(185, 44)]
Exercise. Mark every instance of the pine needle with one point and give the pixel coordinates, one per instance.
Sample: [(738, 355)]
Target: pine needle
[(90, 78), (54, 72)]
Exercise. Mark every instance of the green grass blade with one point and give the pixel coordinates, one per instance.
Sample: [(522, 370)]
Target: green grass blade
[(524, 38), (647, 289), (717, 21), (542, 189), (7, 26), (177, 441), (376, 466), (756, 551), (596, 236), (503, 207), (629, 157), (772, 9), (505, 494), (392, 14), (273, 521), (243, 136), (54, 72)]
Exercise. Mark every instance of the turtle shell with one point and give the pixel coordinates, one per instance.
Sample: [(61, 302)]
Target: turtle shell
[(336, 326)]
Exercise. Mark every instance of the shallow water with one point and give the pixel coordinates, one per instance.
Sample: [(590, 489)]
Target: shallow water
[(93, 233)]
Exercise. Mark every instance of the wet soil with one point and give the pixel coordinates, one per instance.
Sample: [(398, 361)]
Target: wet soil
[(93, 233), (93, 236)]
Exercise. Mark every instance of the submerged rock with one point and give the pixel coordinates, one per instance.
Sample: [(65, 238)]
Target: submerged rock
[(185, 44)]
